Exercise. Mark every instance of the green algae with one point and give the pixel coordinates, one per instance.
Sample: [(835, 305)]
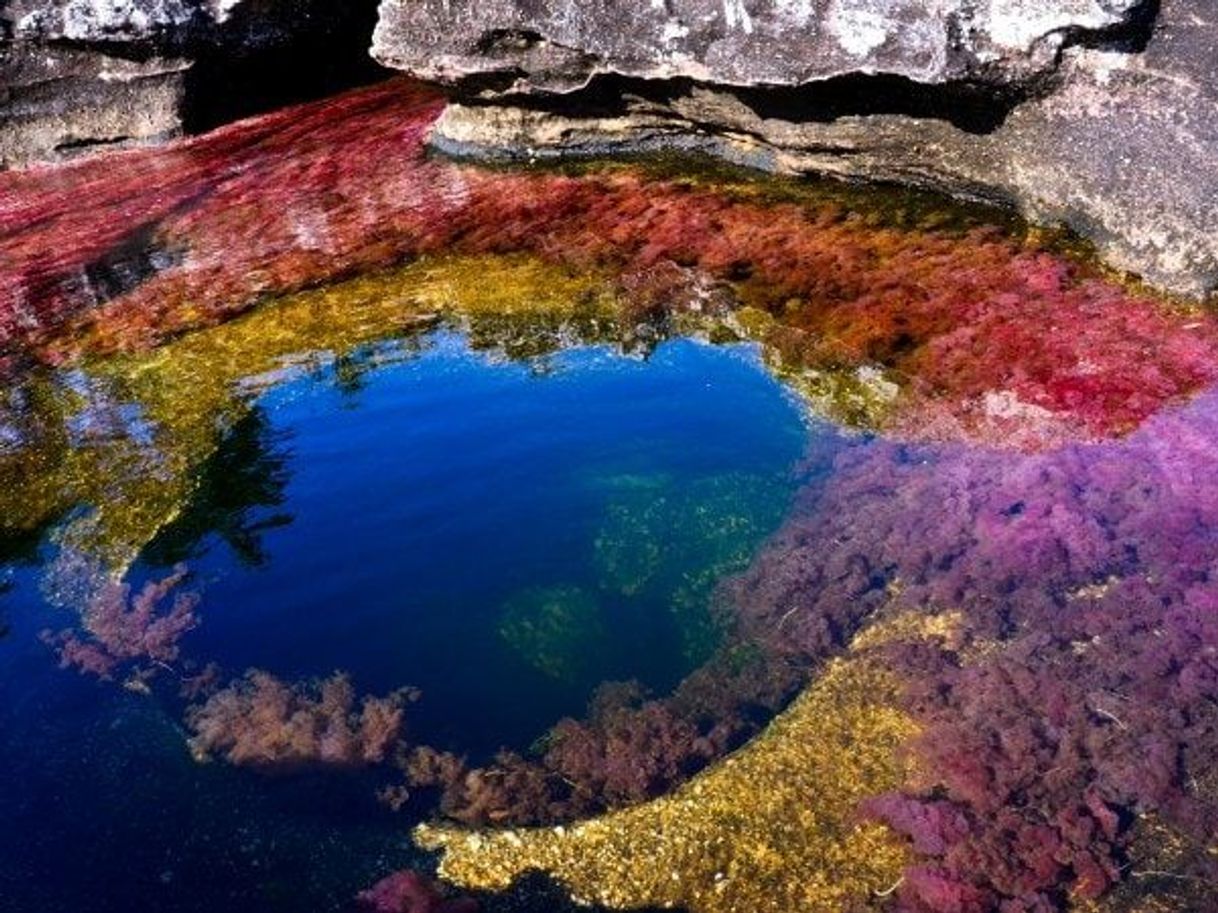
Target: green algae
[(556, 630), (674, 543)]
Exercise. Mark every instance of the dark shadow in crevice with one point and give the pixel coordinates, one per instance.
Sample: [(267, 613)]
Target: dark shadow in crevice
[(1129, 37), (254, 67), (968, 106), (971, 106)]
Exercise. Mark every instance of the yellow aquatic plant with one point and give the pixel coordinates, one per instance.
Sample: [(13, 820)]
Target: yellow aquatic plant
[(161, 414), (771, 827)]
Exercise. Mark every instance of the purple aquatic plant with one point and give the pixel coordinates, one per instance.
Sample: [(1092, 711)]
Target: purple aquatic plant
[(261, 721), (1083, 690), (118, 628), (409, 892)]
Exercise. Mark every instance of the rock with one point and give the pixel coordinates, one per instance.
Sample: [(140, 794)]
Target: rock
[(1126, 153), (1091, 115), (78, 73), (58, 101), (158, 25), (523, 45), (108, 21)]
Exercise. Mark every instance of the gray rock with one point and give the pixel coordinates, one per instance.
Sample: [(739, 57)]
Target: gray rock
[(1117, 141), (529, 46), (57, 102), (78, 73)]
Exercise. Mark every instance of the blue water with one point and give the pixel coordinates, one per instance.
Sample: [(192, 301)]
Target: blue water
[(502, 535)]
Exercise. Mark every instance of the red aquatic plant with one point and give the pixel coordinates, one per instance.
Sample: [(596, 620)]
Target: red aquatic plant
[(987, 338), (119, 628), (261, 721), (409, 892), (627, 754)]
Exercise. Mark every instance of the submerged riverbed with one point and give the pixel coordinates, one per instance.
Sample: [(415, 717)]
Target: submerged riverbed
[(694, 539), (502, 535)]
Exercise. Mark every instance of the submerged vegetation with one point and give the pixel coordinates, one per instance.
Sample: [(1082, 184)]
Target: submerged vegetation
[(969, 331), (775, 827), (260, 721), (1020, 542)]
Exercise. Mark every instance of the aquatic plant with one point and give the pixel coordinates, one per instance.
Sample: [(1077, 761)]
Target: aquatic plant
[(119, 628), (261, 721), (628, 748), (556, 630), (984, 336), (1081, 696), (673, 542), (194, 397), (511, 789), (627, 753), (409, 892), (773, 829)]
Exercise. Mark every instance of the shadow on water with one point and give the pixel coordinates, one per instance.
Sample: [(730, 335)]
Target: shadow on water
[(249, 471), (537, 891)]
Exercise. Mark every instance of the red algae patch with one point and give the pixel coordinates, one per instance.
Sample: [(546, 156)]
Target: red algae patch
[(913, 321)]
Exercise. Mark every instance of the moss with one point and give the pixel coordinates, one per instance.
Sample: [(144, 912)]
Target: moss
[(772, 827), (163, 413)]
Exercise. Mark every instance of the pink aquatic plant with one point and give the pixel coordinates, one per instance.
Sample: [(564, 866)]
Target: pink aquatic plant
[(409, 892), (118, 628), (261, 721), (1083, 690)]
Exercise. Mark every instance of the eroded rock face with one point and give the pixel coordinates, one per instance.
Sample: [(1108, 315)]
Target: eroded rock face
[(1085, 114), (78, 73), (524, 45), (56, 101)]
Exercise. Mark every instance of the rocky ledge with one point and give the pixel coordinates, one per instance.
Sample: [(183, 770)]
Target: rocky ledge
[(78, 74), (1101, 115)]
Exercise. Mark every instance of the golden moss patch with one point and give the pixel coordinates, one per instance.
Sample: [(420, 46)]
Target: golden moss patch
[(771, 827), (151, 419)]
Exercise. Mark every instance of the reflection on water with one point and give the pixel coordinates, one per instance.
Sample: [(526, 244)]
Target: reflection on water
[(453, 520)]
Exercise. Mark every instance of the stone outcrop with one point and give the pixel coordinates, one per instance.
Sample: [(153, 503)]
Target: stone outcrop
[(75, 74), (523, 45), (55, 101), (1102, 116)]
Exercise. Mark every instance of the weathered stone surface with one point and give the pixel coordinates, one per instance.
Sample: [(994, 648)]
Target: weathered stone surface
[(524, 45), (1127, 154), (93, 21), (1121, 144), (59, 101), (77, 73), (148, 23)]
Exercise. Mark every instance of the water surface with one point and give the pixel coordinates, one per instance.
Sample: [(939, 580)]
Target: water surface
[(502, 534)]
